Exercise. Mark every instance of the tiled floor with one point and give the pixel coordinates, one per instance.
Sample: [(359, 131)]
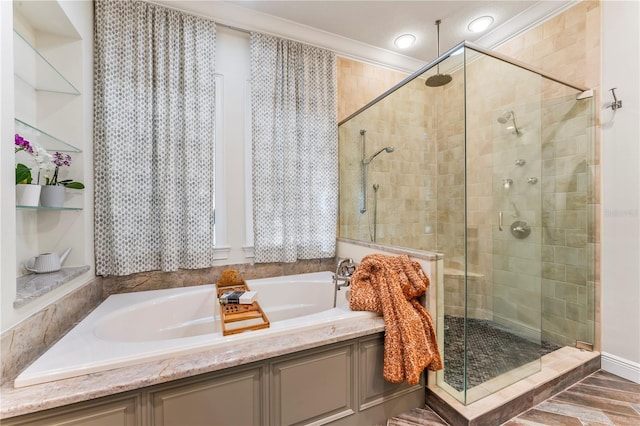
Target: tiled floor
[(492, 350), (600, 399)]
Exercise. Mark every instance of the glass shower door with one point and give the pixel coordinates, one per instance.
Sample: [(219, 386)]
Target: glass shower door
[(503, 229)]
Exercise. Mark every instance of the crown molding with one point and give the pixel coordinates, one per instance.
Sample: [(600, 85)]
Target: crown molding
[(239, 17), (524, 21), (250, 20)]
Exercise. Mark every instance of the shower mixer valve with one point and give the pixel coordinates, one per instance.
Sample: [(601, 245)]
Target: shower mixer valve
[(520, 229)]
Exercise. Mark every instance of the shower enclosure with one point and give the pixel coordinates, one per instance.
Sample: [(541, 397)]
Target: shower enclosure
[(494, 171)]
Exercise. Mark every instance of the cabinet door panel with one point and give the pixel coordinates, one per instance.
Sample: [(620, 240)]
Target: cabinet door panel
[(314, 388), (234, 399), (123, 412), (373, 388)]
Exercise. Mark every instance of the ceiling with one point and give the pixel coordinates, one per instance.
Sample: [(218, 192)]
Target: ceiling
[(367, 29)]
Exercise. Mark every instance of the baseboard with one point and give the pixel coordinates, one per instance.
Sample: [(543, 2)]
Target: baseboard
[(621, 367)]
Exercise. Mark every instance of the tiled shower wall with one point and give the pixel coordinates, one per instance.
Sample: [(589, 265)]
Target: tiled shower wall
[(566, 46), (404, 203)]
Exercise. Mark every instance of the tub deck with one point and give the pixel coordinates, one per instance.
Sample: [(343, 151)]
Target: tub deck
[(18, 401)]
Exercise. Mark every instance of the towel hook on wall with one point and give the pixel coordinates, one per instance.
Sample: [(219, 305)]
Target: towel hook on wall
[(616, 103)]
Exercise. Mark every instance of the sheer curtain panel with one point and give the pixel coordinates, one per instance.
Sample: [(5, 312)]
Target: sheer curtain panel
[(295, 150), (154, 138)]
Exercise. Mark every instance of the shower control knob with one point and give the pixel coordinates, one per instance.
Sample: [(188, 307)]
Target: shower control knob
[(520, 229)]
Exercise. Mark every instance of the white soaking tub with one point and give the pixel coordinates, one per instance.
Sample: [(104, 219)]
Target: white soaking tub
[(133, 328)]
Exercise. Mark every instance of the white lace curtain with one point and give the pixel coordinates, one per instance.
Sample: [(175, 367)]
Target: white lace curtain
[(154, 138), (295, 150)]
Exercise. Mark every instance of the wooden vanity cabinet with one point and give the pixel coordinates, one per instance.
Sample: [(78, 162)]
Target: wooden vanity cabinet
[(338, 384)]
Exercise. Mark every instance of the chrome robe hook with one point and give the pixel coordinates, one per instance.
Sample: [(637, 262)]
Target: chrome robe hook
[(616, 103)]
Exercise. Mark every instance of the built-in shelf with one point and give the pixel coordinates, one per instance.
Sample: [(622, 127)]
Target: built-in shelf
[(29, 287), (48, 208), (35, 70), (44, 139)]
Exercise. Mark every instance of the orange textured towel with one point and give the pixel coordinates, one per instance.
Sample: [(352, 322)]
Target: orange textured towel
[(390, 286)]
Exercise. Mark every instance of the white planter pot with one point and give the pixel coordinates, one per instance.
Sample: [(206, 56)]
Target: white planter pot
[(27, 195), (52, 196)]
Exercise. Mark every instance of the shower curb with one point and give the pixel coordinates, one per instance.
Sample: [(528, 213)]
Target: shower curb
[(515, 406)]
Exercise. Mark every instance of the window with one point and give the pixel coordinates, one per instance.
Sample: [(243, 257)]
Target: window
[(234, 224)]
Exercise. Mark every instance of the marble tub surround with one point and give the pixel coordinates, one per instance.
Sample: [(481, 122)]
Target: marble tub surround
[(30, 399), (31, 286), (27, 340), (156, 280)]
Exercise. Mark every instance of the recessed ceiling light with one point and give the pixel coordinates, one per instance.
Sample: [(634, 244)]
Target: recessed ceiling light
[(404, 41), (480, 24)]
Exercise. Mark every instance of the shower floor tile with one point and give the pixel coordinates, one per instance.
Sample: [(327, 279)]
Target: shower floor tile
[(491, 351)]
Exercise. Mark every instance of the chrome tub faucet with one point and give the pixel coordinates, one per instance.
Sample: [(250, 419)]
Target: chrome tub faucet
[(342, 276), (344, 271)]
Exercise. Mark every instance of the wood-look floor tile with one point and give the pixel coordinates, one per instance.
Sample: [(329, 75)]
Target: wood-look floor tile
[(606, 375), (604, 404), (606, 382), (546, 418), (620, 420), (601, 399), (520, 422), (614, 394), (585, 414), (418, 416)]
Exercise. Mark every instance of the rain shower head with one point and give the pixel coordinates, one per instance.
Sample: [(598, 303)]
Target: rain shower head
[(370, 159), (438, 79), (509, 115)]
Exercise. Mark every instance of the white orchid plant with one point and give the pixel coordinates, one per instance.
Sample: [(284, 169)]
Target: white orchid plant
[(43, 160), (45, 163)]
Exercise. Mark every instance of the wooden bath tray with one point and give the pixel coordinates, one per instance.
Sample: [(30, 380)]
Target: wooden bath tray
[(247, 317)]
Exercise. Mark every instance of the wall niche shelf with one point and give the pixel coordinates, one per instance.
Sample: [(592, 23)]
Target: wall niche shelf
[(36, 71), (44, 139), (29, 287)]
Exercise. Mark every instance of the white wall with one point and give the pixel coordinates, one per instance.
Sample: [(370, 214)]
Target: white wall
[(7, 191), (26, 234), (621, 190), (233, 147)]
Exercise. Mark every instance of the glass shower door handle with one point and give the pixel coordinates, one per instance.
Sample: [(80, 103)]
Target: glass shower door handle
[(500, 215)]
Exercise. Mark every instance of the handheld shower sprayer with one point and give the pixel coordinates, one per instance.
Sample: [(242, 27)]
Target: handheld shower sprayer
[(510, 115), (364, 169), (370, 159)]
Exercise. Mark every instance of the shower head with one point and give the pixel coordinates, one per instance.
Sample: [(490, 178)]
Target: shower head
[(370, 159), (438, 79), (509, 115), (505, 117)]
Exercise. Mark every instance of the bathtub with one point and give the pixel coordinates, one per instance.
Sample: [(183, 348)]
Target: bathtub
[(134, 328)]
